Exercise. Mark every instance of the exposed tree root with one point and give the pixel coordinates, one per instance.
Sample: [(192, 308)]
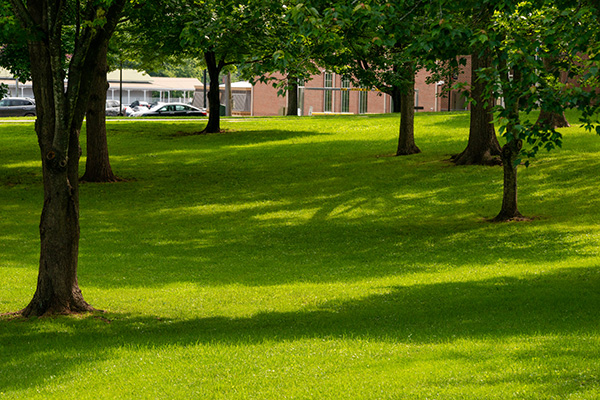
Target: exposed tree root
[(408, 151), (467, 158)]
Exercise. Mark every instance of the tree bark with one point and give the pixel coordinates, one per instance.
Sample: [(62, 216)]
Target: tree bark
[(292, 100), (97, 165), (406, 138), (396, 94), (483, 147), (57, 286), (214, 103), (509, 210), (552, 119)]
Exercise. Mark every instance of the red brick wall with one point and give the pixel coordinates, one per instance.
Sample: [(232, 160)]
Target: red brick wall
[(266, 102), (427, 92)]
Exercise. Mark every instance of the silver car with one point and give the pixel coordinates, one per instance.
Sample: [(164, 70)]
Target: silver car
[(17, 107)]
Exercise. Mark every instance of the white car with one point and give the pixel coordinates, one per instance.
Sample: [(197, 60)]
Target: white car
[(112, 107), (136, 106), (171, 110)]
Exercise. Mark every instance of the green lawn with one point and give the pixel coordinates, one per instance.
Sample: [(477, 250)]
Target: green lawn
[(294, 258)]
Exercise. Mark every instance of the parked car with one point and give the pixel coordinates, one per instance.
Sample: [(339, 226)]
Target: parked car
[(171, 110), (135, 107), (17, 107), (113, 107)]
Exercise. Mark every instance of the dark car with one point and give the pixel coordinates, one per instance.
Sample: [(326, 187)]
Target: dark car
[(17, 107), (171, 110)]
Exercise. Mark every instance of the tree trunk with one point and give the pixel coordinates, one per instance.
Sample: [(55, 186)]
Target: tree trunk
[(97, 165), (483, 147), (57, 287), (396, 94), (548, 118), (292, 100), (406, 138), (214, 104), (510, 211), (552, 119)]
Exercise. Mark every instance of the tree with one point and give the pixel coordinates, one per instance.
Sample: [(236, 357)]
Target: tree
[(60, 113), (370, 42), (451, 38), (521, 37), (226, 33), (97, 164), (483, 147), (379, 53)]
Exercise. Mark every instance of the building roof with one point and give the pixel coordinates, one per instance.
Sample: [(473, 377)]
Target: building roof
[(132, 80)]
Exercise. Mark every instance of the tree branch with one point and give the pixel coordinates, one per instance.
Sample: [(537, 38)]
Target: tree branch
[(23, 14)]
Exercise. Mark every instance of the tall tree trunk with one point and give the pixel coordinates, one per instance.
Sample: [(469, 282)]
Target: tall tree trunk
[(292, 98), (510, 154), (406, 138), (97, 164), (57, 287), (510, 211), (483, 147), (214, 103)]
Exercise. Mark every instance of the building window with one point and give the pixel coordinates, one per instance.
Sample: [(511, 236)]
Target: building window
[(363, 98), (417, 99), (328, 101), (345, 95)]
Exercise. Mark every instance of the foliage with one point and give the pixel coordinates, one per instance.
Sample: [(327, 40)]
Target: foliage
[(184, 68), (3, 90), (13, 45), (378, 38), (521, 38), (236, 31), (144, 41), (309, 268)]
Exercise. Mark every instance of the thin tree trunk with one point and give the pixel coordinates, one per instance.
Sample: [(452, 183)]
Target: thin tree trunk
[(483, 147), (510, 211), (292, 100), (97, 165), (214, 104), (406, 137)]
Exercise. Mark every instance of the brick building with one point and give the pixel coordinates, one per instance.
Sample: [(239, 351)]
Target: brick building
[(330, 93)]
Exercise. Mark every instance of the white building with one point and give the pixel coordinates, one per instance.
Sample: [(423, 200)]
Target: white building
[(136, 86)]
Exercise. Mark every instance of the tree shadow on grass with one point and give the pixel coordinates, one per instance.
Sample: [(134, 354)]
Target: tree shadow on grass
[(553, 306)]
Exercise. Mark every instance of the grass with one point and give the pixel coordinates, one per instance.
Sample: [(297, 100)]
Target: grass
[(294, 258)]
